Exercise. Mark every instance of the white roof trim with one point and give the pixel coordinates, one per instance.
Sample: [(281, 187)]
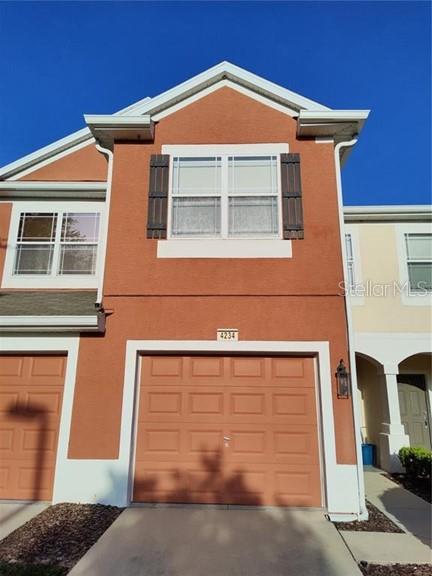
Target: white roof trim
[(394, 213), (224, 70), (91, 323), (61, 186), (235, 74)]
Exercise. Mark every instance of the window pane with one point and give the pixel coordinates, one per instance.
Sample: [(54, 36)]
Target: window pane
[(351, 281), (253, 215), (80, 227), (77, 259), (420, 276), (196, 217), (33, 259), (37, 226), (252, 174), (197, 176), (348, 244), (419, 246)]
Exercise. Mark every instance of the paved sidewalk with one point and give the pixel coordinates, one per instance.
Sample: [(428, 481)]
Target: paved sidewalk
[(197, 541), (409, 512), (14, 514)]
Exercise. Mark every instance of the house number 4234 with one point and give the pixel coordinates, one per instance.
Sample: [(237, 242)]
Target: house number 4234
[(227, 334)]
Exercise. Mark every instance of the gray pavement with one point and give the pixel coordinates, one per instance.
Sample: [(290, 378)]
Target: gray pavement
[(14, 514), (198, 541), (411, 513)]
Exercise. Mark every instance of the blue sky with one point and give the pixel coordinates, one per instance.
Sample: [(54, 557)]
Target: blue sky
[(60, 60)]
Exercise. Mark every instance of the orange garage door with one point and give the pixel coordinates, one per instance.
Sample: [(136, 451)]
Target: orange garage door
[(237, 430), (31, 390)]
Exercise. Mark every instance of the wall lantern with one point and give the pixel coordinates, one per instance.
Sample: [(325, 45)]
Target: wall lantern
[(343, 381)]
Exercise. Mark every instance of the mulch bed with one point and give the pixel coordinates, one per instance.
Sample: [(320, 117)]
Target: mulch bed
[(378, 522), (396, 569), (52, 542), (419, 486)]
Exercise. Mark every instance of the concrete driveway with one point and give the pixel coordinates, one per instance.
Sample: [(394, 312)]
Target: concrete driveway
[(205, 541), (15, 514)]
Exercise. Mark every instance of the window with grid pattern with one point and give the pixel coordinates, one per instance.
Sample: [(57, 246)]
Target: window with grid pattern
[(57, 243), (419, 261), (225, 197)]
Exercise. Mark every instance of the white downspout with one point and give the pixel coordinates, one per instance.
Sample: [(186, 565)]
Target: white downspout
[(110, 157), (363, 515)]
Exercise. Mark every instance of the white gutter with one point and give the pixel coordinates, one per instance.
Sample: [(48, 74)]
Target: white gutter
[(110, 155), (363, 514)]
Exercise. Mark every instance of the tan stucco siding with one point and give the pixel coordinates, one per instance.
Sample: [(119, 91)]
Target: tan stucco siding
[(382, 263)]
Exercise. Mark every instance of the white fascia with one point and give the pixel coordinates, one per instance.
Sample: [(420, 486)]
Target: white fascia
[(230, 72), (89, 323), (25, 190), (421, 212)]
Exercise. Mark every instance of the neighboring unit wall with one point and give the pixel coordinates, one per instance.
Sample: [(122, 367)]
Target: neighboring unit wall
[(383, 266), (392, 327)]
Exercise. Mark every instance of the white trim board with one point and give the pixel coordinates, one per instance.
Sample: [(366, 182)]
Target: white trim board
[(10, 322)]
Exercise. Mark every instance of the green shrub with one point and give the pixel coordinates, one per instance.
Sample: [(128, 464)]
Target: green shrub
[(416, 461)]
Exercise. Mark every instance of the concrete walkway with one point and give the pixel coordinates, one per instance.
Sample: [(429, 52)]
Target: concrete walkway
[(198, 541), (410, 513), (14, 514)]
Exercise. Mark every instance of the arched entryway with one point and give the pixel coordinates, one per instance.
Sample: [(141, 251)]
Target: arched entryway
[(414, 388)]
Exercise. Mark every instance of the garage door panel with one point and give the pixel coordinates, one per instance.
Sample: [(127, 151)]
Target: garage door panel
[(228, 429), (47, 368), (31, 390)]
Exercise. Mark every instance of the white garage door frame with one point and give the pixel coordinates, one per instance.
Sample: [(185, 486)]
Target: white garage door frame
[(341, 481)]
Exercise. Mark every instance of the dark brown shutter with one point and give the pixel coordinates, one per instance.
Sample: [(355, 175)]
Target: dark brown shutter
[(292, 209), (158, 196)]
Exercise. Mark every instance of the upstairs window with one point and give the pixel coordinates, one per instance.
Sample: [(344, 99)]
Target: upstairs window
[(53, 244), (419, 261), (350, 261), (225, 196)]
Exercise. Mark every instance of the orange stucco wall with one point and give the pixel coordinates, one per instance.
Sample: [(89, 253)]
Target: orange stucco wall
[(156, 299), (86, 164)]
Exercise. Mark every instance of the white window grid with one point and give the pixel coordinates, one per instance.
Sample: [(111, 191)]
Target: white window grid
[(57, 242), (409, 260), (226, 193)]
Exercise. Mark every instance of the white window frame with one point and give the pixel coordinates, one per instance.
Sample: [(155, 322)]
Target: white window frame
[(408, 297), (53, 280), (356, 296), (223, 246)]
